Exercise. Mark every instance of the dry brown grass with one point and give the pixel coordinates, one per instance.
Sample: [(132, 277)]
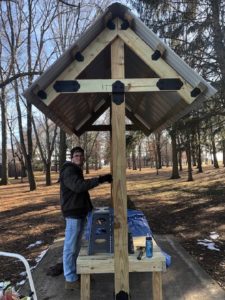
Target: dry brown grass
[(189, 210)]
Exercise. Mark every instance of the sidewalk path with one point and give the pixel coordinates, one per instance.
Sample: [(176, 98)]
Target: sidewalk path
[(184, 280)]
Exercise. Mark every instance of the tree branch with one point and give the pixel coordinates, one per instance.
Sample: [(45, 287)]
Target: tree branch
[(18, 75), (69, 4)]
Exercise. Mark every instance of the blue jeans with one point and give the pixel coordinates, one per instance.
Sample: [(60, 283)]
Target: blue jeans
[(71, 249)]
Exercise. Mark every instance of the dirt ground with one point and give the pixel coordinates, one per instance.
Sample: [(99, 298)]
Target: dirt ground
[(192, 211)]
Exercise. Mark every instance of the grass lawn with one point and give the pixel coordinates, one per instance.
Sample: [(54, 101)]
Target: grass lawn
[(193, 211)]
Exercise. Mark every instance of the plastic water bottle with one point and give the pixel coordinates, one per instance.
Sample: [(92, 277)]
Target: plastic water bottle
[(149, 247)]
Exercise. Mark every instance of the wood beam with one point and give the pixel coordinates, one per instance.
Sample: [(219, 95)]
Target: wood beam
[(157, 286), (76, 67), (119, 192), (136, 120), (129, 127), (94, 116), (160, 67), (85, 287), (131, 85)]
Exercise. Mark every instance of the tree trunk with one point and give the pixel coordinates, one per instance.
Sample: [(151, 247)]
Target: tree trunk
[(30, 173), (180, 159), (29, 152), (215, 161), (134, 159), (48, 174), (26, 156), (139, 157), (99, 163), (13, 152), (167, 156), (128, 162), (218, 40), (193, 152), (96, 160), (4, 179), (188, 153), (199, 166), (199, 159), (179, 154), (23, 170), (223, 152), (175, 172), (158, 150), (29, 131)]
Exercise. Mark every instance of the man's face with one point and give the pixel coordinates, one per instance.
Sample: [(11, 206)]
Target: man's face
[(78, 159)]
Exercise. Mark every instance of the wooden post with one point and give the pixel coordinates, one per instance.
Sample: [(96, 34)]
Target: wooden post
[(157, 285), (85, 287), (119, 193)]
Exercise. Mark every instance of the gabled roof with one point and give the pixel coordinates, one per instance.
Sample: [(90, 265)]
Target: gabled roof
[(152, 104)]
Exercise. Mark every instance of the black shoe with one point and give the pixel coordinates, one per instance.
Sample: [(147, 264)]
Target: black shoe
[(73, 285), (55, 270)]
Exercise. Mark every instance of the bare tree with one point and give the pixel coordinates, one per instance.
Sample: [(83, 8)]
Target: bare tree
[(9, 42), (37, 16), (46, 135), (173, 135), (11, 131)]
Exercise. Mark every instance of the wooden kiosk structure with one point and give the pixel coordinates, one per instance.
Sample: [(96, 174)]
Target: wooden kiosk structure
[(121, 64)]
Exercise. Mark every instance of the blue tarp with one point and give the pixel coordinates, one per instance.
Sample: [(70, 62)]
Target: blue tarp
[(137, 223), (137, 226)]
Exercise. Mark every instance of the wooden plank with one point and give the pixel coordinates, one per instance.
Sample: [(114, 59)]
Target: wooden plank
[(94, 116), (129, 127), (139, 241), (85, 287), (119, 193), (160, 67), (131, 85), (75, 68), (142, 125), (100, 264), (157, 285)]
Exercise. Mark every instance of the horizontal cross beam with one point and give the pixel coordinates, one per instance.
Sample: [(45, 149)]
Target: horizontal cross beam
[(129, 127), (132, 85)]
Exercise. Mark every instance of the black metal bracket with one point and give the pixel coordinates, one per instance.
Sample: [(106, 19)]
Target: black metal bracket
[(118, 92), (42, 94), (111, 25), (122, 296), (195, 92), (156, 55), (125, 25), (79, 56), (169, 84), (66, 86)]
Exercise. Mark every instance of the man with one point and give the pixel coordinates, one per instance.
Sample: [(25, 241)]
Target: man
[(75, 205)]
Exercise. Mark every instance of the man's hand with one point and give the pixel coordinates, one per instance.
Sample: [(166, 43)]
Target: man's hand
[(105, 178)]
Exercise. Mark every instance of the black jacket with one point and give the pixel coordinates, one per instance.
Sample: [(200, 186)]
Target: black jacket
[(74, 197)]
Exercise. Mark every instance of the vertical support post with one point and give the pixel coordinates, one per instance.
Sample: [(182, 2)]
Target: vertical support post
[(85, 287), (119, 192), (111, 156), (157, 285)]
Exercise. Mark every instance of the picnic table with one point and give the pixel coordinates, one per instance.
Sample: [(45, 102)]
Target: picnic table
[(102, 263)]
